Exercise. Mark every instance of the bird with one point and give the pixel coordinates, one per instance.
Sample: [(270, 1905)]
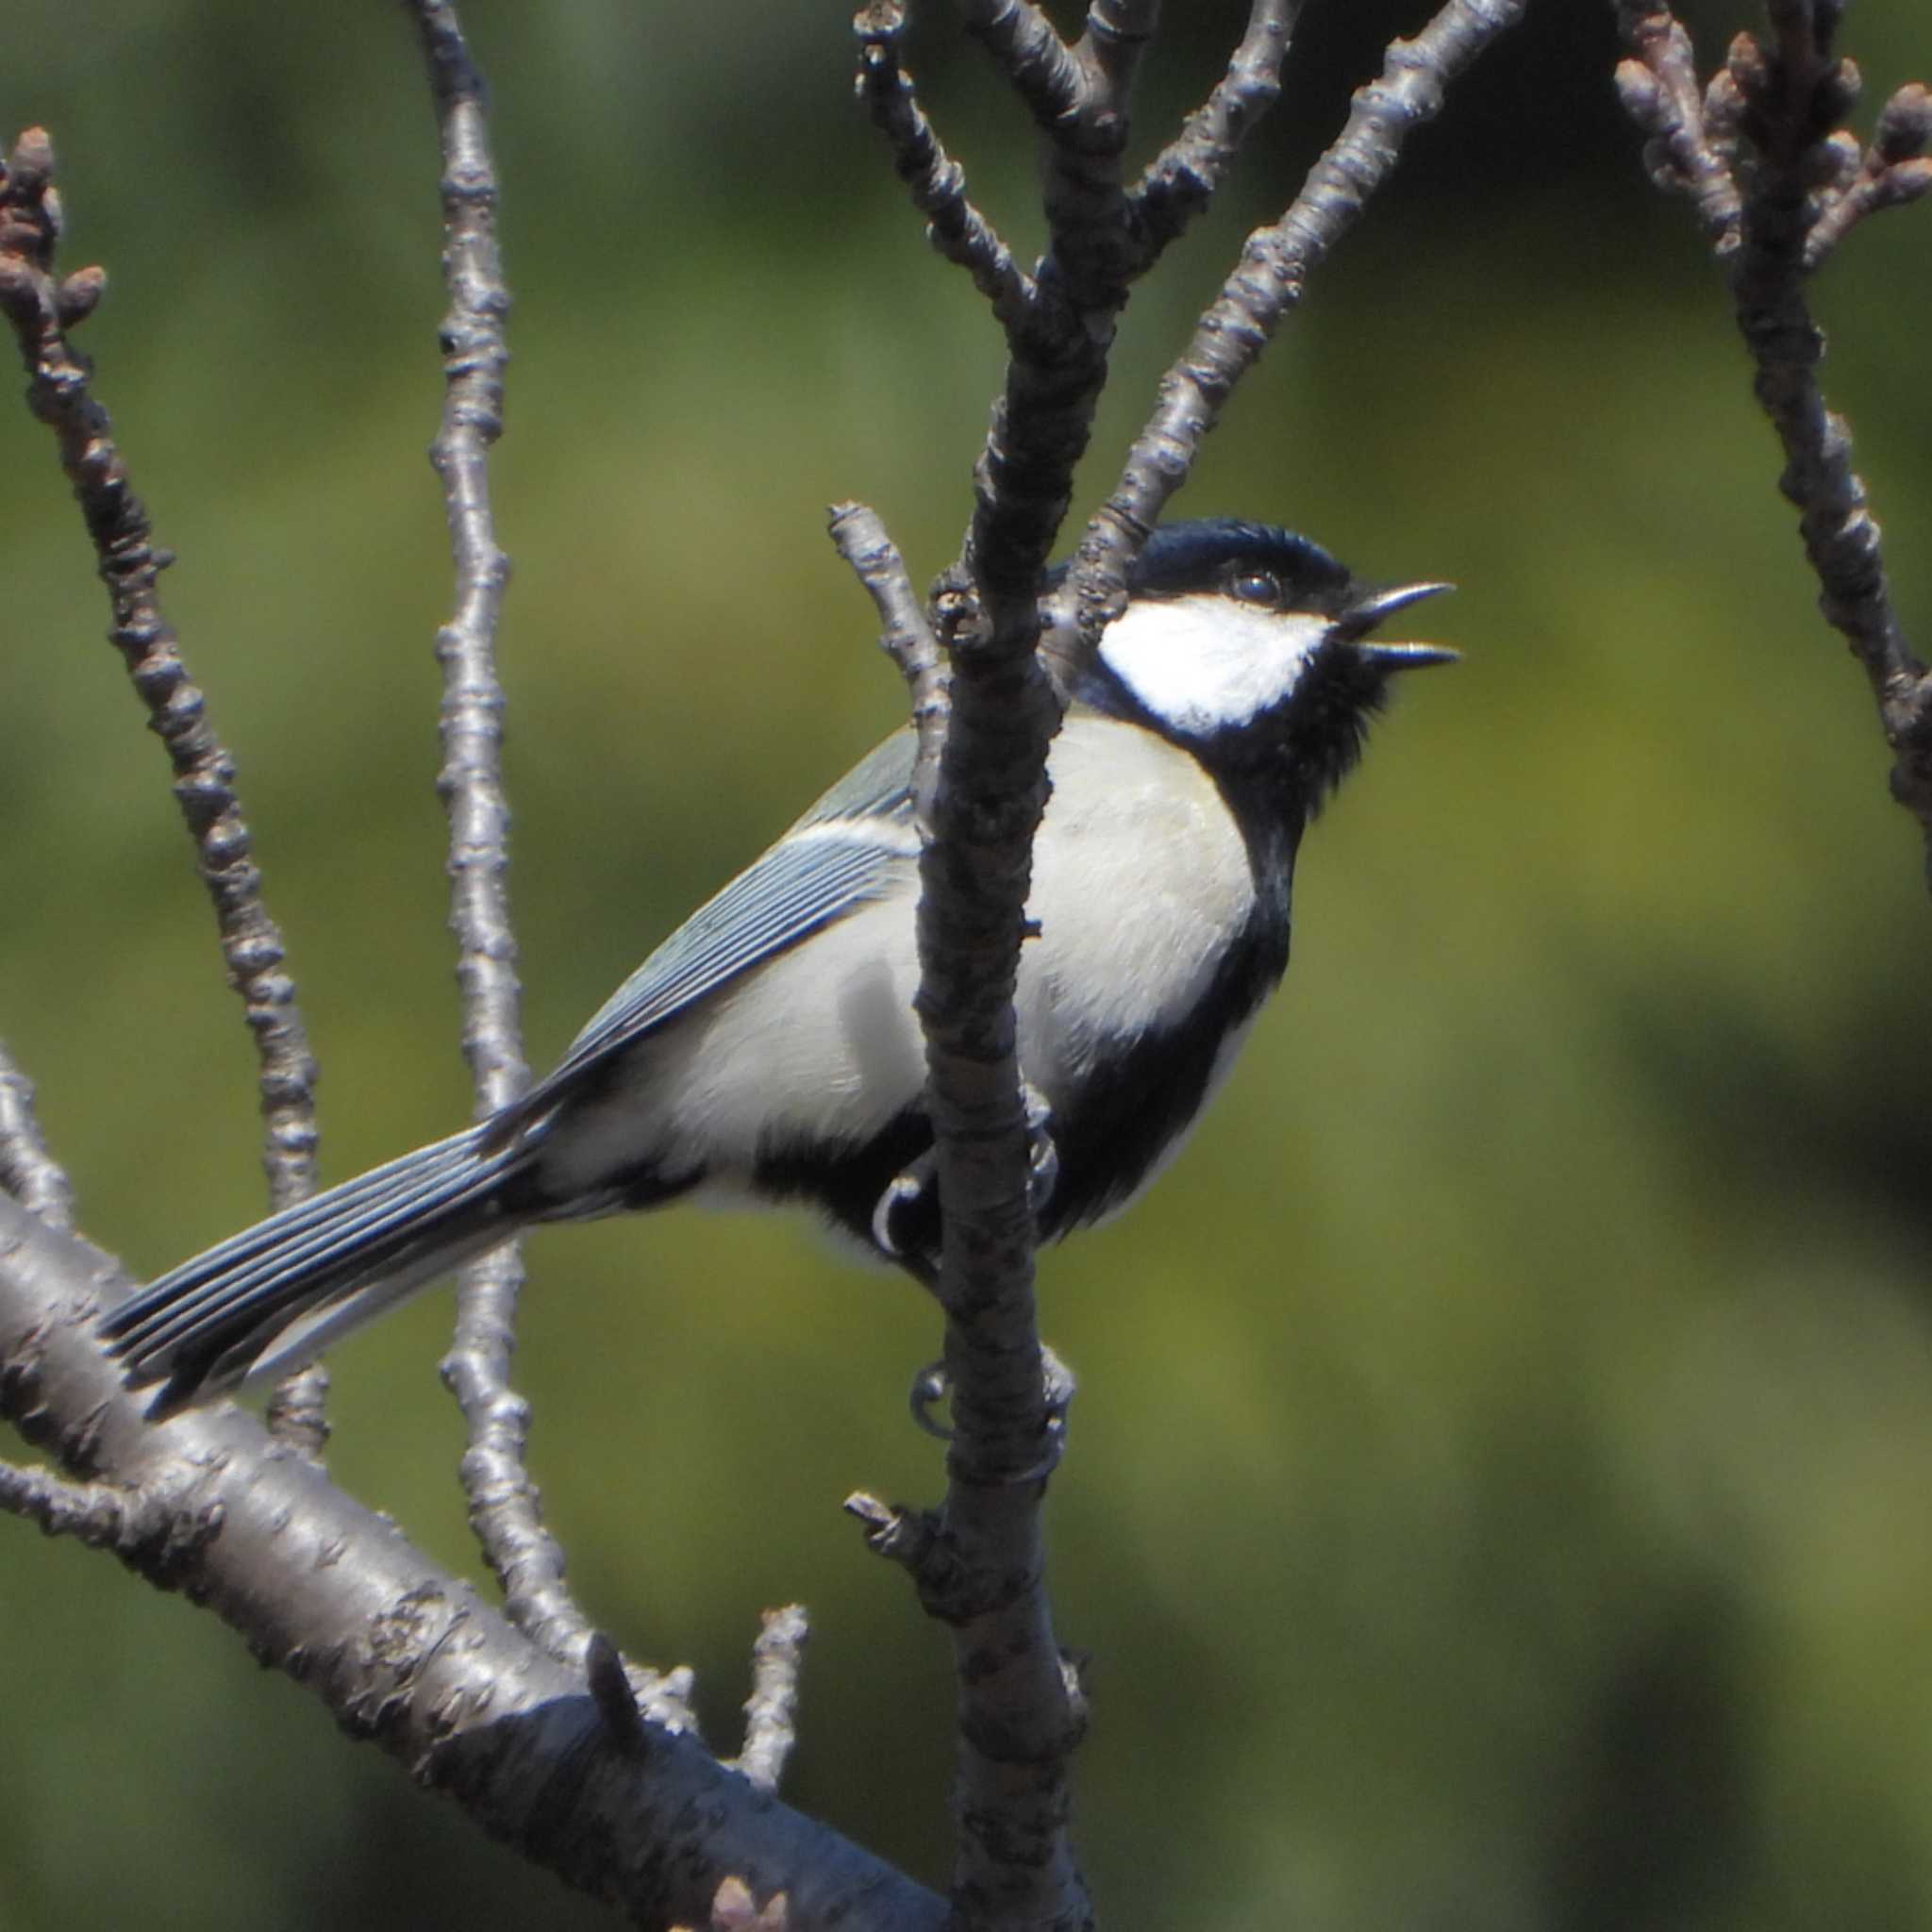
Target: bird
[(770, 1046)]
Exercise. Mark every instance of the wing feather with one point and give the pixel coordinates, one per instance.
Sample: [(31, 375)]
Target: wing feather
[(848, 849)]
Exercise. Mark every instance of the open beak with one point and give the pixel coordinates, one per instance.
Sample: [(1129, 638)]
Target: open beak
[(1369, 611)]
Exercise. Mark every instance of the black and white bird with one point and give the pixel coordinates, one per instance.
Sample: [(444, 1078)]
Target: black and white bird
[(770, 1047)]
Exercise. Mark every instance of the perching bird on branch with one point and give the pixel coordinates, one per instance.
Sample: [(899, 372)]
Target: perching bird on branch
[(768, 1047)]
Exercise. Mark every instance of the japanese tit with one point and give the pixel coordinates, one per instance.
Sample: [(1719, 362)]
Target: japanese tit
[(770, 1047)]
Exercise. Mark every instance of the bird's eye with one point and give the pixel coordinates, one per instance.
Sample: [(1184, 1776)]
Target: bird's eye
[(1258, 587)]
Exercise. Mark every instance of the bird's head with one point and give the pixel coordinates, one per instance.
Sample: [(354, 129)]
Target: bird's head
[(1253, 648)]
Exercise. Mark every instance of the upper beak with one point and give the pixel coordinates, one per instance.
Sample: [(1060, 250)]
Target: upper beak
[(1367, 611)]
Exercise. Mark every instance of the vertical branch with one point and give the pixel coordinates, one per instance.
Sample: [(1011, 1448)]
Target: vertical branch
[(1778, 188), (504, 1508), (979, 1562)]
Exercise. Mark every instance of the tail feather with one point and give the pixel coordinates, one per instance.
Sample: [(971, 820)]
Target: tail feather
[(273, 1296)]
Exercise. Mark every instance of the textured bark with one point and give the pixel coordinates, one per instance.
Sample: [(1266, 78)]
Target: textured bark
[(401, 1653)]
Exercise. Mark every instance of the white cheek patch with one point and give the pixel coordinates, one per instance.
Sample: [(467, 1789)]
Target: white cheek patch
[(1200, 663)]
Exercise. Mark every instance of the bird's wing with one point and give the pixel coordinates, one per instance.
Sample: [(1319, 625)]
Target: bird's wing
[(850, 847)]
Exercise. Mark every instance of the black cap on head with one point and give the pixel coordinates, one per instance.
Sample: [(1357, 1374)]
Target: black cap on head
[(1204, 554)]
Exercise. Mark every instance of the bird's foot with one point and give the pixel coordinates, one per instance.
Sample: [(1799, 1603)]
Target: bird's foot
[(903, 1192), (1043, 1157), (933, 1386)]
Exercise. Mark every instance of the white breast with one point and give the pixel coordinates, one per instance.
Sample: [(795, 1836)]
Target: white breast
[(1141, 880)]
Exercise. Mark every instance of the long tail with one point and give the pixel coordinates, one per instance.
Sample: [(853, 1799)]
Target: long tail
[(269, 1299)]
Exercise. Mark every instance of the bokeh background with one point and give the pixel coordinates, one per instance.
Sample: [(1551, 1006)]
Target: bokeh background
[(1501, 1492)]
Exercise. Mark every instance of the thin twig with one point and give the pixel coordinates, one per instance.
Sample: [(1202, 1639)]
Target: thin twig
[(954, 226), (906, 638), (1117, 35), (42, 310), (1766, 134), (771, 1712), (147, 1528), (1029, 52), (27, 1171), (503, 1505), (1185, 176), (1686, 154), (1891, 173), (1269, 281)]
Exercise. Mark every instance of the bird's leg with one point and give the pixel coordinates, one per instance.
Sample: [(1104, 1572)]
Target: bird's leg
[(932, 1385)]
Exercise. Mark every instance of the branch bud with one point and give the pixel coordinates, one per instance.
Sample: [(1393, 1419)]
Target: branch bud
[(79, 295), (1904, 125)]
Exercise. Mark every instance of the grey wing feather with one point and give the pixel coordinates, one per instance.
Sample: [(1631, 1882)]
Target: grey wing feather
[(815, 874), (879, 786)]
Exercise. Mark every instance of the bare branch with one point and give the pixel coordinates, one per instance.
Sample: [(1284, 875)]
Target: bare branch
[(503, 1505), (159, 1533), (954, 226), (771, 1712), (27, 1171), (1784, 98), (1686, 153), (906, 638), (130, 565), (1117, 35), (398, 1650), (1892, 172), (1180, 183), (1021, 1710), (1270, 279), (41, 310), (1030, 53)]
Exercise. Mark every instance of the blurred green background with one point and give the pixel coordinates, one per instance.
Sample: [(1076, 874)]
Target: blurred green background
[(1501, 1492)]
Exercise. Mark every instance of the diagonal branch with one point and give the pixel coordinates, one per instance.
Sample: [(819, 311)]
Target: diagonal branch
[(1184, 178), (1270, 280), (1028, 50), (937, 183), (42, 310), (395, 1648)]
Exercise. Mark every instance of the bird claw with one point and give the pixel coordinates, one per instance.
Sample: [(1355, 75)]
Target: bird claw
[(933, 1385), (910, 1183), (1043, 1157), (902, 1190), (930, 1388)]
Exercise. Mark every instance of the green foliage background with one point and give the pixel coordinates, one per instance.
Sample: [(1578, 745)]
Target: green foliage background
[(1499, 1493)]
